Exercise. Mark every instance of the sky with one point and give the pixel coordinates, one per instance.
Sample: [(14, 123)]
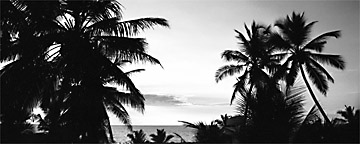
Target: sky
[(185, 89)]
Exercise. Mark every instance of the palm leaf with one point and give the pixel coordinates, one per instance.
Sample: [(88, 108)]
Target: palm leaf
[(317, 44), (120, 112), (191, 125), (101, 10), (332, 60), (317, 78), (134, 71), (118, 76), (135, 101), (239, 87), (231, 55), (322, 69), (227, 70), (242, 39), (168, 137), (248, 31), (116, 27)]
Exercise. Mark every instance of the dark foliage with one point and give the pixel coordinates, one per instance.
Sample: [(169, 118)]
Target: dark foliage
[(63, 54)]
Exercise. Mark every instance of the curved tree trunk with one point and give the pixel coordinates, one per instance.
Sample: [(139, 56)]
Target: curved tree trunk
[(110, 132), (313, 96)]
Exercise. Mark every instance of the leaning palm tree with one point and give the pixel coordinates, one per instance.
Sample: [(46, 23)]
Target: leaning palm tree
[(304, 52), (252, 59)]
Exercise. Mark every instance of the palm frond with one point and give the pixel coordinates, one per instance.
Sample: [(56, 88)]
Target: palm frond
[(227, 70), (137, 57), (129, 28), (134, 100), (242, 39), (100, 10), (322, 69), (117, 75), (239, 87), (248, 31), (189, 124), (119, 111), (317, 44), (232, 55), (110, 44), (121, 48), (332, 60), (317, 78), (108, 26), (134, 71), (294, 103)]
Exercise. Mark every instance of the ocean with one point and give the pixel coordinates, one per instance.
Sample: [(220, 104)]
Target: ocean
[(120, 132)]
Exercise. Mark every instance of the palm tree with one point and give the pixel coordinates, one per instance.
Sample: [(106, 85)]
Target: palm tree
[(160, 136), (83, 41), (303, 52), (253, 58), (349, 115), (208, 133), (138, 137)]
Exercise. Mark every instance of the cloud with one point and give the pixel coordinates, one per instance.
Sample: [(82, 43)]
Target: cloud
[(164, 100)]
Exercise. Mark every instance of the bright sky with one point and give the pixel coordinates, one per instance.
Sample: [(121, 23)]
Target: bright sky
[(200, 30)]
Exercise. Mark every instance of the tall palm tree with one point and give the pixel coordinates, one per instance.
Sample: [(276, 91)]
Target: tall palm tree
[(304, 52), (252, 59), (83, 41)]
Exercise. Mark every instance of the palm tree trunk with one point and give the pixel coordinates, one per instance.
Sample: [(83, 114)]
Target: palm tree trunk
[(247, 105), (110, 132), (313, 96)]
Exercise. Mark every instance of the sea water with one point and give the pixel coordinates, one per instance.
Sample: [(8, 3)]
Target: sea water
[(120, 132)]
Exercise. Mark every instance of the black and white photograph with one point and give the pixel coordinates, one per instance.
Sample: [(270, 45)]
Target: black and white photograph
[(179, 71)]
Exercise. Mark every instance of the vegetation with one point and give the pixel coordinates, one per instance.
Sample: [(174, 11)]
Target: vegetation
[(161, 136), (67, 58), (138, 137), (65, 53)]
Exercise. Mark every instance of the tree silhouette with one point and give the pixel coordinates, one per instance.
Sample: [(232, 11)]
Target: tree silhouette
[(160, 136), (253, 58), (138, 137), (303, 52), (208, 133), (73, 49)]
